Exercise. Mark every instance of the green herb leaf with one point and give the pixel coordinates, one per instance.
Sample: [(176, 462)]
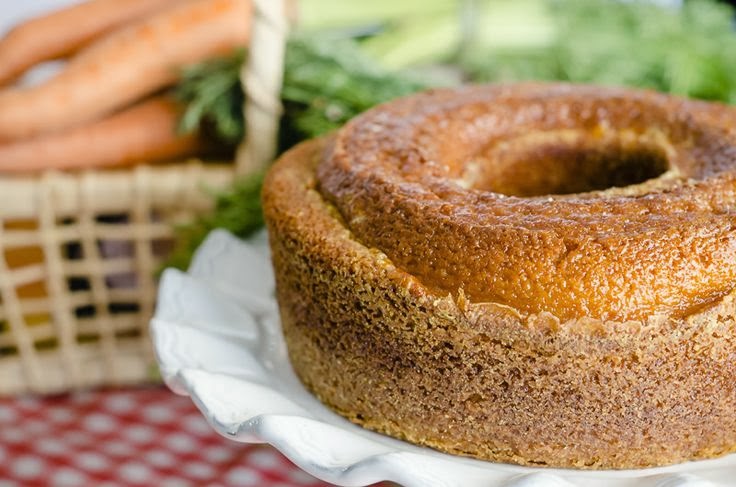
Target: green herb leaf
[(214, 98), (237, 209), (328, 82)]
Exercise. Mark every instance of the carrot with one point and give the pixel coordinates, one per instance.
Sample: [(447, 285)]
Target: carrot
[(145, 132), (65, 31), (126, 66)]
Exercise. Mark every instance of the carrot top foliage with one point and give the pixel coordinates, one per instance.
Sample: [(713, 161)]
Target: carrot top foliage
[(326, 83)]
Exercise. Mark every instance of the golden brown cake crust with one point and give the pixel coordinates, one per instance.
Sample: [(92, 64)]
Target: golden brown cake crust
[(422, 165), (419, 360)]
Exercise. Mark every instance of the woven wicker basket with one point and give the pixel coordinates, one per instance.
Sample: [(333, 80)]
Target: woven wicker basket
[(79, 251)]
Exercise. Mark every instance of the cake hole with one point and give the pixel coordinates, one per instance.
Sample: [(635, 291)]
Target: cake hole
[(557, 164)]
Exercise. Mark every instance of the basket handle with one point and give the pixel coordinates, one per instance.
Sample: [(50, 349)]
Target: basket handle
[(261, 77)]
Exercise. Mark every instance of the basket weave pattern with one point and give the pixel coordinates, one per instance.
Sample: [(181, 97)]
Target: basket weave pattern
[(78, 259)]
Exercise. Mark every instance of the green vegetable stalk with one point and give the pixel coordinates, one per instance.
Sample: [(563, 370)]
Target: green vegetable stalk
[(689, 51)]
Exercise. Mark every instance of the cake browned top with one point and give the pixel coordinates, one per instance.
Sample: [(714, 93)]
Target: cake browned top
[(579, 201)]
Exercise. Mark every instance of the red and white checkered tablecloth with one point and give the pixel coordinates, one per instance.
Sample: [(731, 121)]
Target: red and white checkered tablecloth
[(136, 437)]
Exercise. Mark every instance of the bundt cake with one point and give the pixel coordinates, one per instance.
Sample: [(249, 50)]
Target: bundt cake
[(540, 274)]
